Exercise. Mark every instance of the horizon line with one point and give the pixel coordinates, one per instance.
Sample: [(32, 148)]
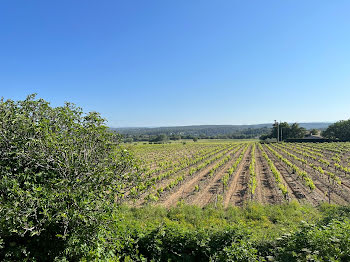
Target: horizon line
[(163, 126)]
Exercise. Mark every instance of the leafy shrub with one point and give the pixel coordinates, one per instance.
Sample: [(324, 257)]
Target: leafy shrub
[(329, 242), (60, 170)]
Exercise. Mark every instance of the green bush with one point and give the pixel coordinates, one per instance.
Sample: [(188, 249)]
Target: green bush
[(330, 242), (60, 171), (188, 233)]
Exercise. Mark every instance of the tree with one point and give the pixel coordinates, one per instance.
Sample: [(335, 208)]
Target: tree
[(264, 137), (296, 131), (339, 130), (285, 131), (195, 139), (314, 131), (60, 171), (175, 137), (160, 138)]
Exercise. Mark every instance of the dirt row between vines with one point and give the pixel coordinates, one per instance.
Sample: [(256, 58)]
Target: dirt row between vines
[(267, 191), (296, 189), (319, 194), (201, 188), (345, 181), (210, 187), (176, 160), (141, 199), (238, 187), (187, 186), (235, 187), (338, 196)]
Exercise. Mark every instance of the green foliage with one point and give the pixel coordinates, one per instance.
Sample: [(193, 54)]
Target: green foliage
[(240, 251), (225, 180), (314, 132), (288, 232), (60, 171), (191, 132), (329, 242), (252, 173), (275, 172), (302, 174), (160, 138), (339, 130), (285, 131)]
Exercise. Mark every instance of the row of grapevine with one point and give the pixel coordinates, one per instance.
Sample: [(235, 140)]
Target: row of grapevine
[(232, 169), (211, 157), (181, 177), (180, 160), (300, 173), (319, 169), (275, 172), (252, 173), (336, 161)]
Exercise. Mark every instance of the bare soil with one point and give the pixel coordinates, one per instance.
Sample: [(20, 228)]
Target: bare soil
[(266, 190), (188, 185), (236, 190), (213, 186)]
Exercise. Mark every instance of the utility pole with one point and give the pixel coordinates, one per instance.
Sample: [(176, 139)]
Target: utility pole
[(281, 133), (278, 130)]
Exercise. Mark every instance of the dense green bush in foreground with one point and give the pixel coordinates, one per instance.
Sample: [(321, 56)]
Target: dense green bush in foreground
[(60, 171), (290, 232)]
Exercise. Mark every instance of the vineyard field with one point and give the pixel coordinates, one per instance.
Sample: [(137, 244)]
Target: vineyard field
[(234, 173)]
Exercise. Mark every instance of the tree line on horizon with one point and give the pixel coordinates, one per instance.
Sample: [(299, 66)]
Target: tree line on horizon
[(339, 131), (161, 137)]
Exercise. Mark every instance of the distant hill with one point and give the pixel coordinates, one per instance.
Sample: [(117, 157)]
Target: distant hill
[(210, 130)]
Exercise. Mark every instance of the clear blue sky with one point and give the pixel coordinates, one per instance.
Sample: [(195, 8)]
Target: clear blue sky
[(157, 63)]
